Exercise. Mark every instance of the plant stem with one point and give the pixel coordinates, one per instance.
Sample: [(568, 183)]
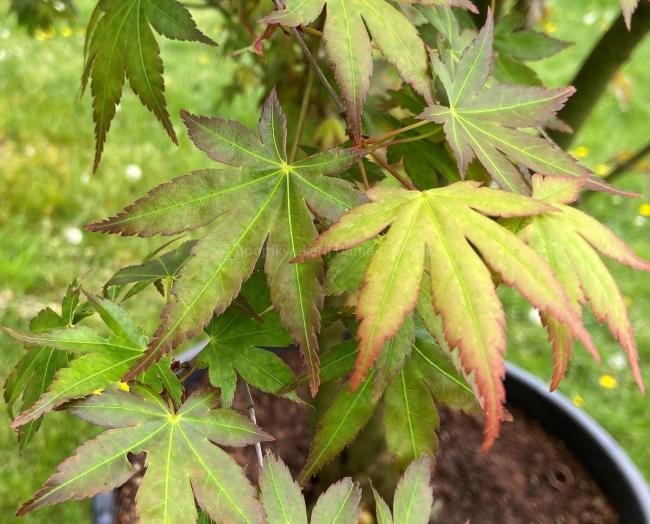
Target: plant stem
[(382, 145), (321, 76), (187, 374), (406, 183), (303, 113), (170, 403), (613, 49), (251, 414), (394, 132), (364, 177), (312, 31)]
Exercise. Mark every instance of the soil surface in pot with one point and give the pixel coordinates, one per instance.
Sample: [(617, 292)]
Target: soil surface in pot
[(528, 477)]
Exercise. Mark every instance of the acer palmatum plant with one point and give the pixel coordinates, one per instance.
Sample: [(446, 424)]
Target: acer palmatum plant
[(456, 190)]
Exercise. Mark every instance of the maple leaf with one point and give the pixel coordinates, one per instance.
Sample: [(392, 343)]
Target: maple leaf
[(237, 342), (447, 229), (264, 200), (120, 42), (349, 48), (34, 372), (570, 241), (154, 269), (101, 363), (628, 7), (182, 462), (413, 497), (486, 121), (284, 503), (410, 416)]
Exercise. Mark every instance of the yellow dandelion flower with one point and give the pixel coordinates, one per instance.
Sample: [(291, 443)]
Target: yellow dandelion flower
[(40, 35), (203, 58), (602, 169), (607, 382), (644, 210), (66, 32), (550, 27), (98, 391), (580, 152), (123, 386), (578, 400)]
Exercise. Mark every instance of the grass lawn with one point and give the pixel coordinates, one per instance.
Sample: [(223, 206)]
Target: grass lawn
[(47, 193)]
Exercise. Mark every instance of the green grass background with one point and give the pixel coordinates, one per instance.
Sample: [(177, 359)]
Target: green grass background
[(46, 188)]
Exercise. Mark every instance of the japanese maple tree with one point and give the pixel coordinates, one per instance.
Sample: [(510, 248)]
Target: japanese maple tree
[(377, 258)]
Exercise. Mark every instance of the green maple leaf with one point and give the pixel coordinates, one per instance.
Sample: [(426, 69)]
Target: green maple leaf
[(413, 497), (486, 121), (152, 270), (349, 48), (446, 229), (262, 201), (34, 372), (183, 464), (101, 363), (237, 342), (570, 241), (284, 503), (120, 42), (421, 373), (410, 416)]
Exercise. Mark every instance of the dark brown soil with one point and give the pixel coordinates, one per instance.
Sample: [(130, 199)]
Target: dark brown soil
[(527, 478)]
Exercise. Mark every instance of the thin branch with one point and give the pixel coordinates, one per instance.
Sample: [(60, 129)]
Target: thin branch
[(251, 414), (405, 182), (629, 163), (187, 373), (620, 170), (312, 31), (382, 145), (394, 132), (610, 53), (303, 113), (364, 177), (319, 72)]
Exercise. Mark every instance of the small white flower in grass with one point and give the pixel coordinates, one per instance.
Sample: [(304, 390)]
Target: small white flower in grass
[(5, 33), (30, 150), (84, 178), (59, 6), (640, 221), (133, 172), (533, 316), (617, 361), (590, 18), (73, 235)]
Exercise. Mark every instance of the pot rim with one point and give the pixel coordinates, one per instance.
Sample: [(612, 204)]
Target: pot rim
[(606, 461)]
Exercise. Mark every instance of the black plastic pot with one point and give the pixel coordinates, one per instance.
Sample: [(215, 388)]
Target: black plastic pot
[(607, 463)]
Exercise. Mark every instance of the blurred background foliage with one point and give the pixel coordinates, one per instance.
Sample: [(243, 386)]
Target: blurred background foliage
[(47, 193)]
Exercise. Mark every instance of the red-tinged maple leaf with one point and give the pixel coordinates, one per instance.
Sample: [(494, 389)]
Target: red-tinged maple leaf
[(570, 241), (446, 234)]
